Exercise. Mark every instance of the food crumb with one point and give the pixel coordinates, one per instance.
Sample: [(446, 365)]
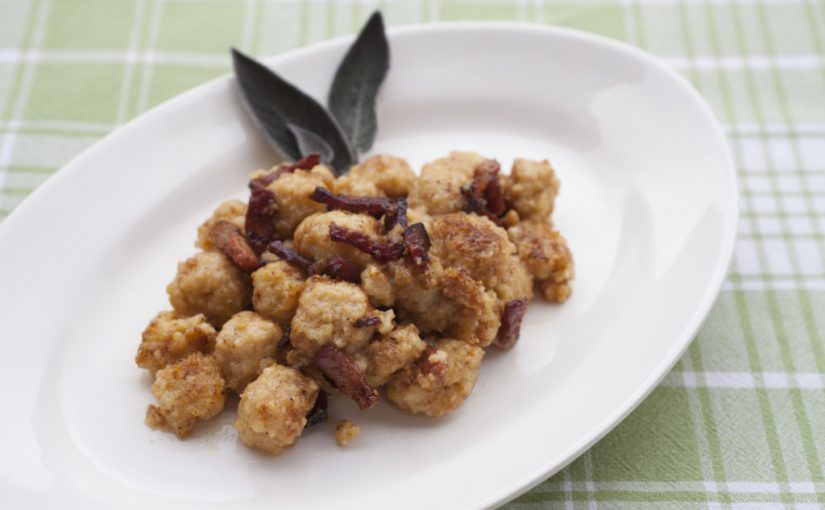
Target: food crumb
[(345, 432)]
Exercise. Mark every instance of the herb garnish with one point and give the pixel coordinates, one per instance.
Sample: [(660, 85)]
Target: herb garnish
[(357, 80), (296, 125)]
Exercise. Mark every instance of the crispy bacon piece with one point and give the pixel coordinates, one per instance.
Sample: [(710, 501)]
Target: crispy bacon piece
[(230, 241), (318, 413), (291, 256), (346, 375), (428, 367), (366, 321), (511, 318), (484, 195), (374, 206), (307, 163), (417, 242), (382, 252), (337, 267), (342, 269), (263, 181), (495, 199), (260, 219), (400, 216)]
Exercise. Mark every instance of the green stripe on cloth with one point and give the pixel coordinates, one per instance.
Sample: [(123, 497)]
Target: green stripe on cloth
[(740, 421)]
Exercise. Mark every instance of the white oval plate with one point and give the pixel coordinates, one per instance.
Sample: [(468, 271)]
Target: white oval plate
[(648, 203)]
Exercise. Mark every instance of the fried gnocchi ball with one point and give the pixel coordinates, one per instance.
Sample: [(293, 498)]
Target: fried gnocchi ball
[(482, 249), (391, 353), (246, 345), (187, 391), (327, 314), (438, 189), (448, 302), (545, 254), (312, 237), (378, 176), (273, 408), (441, 380), (170, 337), (532, 189), (233, 211), (276, 288), (292, 191), (209, 283)]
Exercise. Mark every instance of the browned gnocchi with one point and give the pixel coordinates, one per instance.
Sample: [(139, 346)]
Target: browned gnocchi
[(321, 287)]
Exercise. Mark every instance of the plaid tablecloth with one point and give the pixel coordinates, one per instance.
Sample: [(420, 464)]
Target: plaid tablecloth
[(740, 422)]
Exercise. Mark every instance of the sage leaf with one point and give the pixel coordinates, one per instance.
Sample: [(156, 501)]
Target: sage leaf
[(309, 142), (274, 103), (357, 80)]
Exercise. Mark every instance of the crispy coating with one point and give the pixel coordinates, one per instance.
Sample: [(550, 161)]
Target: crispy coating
[(476, 245), (417, 215), (417, 296), (245, 345), (345, 432), (292, 192), (170, 337), (532, 189), (478, 314), (273, 408), (312, 237), (545, 254), (392, 352), (187, 391), (233, 211), (276, 288), (553, 292), (378, 176), (438, 189), (448, 301), (377, 285), (209, 283), (349, 184), (440, 382), (327, 312), (510, 219), (296, 358)]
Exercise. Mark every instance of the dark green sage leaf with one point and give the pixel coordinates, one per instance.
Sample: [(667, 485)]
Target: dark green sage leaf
[(274, 103), (310, 143), (356, 83)]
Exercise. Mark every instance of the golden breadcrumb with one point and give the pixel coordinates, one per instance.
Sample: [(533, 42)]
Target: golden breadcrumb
[(345, 432)]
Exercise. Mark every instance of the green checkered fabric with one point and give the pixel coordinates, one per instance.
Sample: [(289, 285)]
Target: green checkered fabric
[(740, 422)]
